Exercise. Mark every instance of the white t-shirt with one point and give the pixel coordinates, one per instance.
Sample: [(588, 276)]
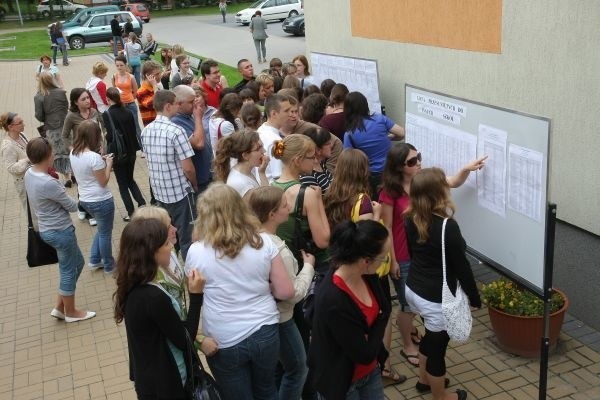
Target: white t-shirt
[(227, 129), (240, 182), (268, 136), (237, 295), (84, 164)]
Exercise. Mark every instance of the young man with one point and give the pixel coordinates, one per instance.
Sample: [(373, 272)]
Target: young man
[(117, 34), (170, 167), (247, 70), (211, 81), (190, 117), (278, 109), (151, 72)]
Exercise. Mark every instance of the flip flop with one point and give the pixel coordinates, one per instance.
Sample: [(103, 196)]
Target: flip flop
[(415, 337), (409, 357), (391, 377)]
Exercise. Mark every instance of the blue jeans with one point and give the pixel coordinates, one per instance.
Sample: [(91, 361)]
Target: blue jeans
[(183, 214), (136, 70), (70, 259), (104, 213), (369, 387), (63, 51), (293, 359), (400, 285), (246, 371), (136, 118), (115, 46)]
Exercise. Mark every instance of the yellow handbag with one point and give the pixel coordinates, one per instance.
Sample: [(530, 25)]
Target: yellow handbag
[(384, 268)]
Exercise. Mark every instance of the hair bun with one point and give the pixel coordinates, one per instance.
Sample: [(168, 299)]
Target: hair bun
[(278, 149)]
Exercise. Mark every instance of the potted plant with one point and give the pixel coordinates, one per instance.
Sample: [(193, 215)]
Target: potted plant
[(516, 316)]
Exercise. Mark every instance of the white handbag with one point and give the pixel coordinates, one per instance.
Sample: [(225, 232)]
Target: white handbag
[(455, 309)]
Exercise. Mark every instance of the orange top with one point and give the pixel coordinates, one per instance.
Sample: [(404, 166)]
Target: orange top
[(126, 88)]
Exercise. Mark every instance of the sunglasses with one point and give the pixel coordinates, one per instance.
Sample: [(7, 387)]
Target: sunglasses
[(411, 162)]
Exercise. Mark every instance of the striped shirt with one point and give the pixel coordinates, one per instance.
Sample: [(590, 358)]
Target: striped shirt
[(318, 178), (145, 97), (166, 145)]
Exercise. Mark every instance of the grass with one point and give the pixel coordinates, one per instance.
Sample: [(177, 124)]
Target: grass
[(31, 45)]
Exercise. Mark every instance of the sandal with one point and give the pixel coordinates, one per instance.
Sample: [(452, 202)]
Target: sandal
[(391, 377), (424, 388), (410, 357), (415, 337)]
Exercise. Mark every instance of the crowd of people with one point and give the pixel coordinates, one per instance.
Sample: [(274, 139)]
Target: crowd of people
[(280, 208)]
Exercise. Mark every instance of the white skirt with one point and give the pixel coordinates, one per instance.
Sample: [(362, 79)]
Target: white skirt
[(429, 311)]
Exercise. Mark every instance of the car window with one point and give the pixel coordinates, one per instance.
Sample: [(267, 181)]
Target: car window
[(257, 4), (283, 2), (141, 7), (270, 3), (99, 20)]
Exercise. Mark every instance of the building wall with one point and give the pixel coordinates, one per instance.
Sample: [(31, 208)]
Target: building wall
[(549, 65)]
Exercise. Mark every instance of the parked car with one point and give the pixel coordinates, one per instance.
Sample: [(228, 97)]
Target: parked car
[(44, 7), (97, 29), (140, 10), (272, 10), (83, 15), (294, 25)]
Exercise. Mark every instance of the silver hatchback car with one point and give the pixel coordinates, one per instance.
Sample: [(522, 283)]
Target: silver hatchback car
[(96, 29)]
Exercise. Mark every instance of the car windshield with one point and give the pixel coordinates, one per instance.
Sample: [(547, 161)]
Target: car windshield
[(141, 7), (256, 4)]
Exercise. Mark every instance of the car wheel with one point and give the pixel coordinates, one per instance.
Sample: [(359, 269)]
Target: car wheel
[(76, 43), (46, 14), (293, 13), (302, 30)]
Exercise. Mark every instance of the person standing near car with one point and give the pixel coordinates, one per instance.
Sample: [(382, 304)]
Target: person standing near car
[(258, 28), (117, 33), (223, 8), (57, 36)]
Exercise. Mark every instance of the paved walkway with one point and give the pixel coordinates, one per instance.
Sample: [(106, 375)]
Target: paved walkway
[(42, 358)]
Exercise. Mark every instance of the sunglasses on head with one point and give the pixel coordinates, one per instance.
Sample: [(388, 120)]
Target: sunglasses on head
[(411, 162)]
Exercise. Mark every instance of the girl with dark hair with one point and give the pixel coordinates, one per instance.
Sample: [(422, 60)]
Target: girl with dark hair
[(351, 315), (225, 121), (52, 206), (313, 107), (430, 206), (335, 119), (154, 321), (60, 43), (128, 87), (251, 115), (320, 175), (80, 110), (326, 87), (93, 172), (369, 133), (247, 149), (119, 118)]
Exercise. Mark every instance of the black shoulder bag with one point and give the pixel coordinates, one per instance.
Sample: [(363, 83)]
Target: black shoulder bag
[(38, 252), (201, 384), (117, 145), (302, 240)]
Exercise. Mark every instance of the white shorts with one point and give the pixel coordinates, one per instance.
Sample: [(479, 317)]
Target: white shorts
[(429, 311)]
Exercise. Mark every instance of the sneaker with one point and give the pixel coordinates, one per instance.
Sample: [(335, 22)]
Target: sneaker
[(94, 267), (93, 222), (109, 271), (81, 215)]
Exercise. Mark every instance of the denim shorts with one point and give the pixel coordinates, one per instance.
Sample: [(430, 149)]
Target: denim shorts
[(400, 285)]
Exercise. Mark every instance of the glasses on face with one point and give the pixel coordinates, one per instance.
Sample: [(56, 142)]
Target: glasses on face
[(411, 162)]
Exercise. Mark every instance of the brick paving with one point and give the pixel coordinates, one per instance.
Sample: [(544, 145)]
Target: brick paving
[(43, 358)]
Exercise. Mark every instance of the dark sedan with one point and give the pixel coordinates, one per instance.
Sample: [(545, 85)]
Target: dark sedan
[(294, 25)]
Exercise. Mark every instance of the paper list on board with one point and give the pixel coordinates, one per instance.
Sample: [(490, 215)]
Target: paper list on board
[(525, 181), (491, 180), (441, 146)]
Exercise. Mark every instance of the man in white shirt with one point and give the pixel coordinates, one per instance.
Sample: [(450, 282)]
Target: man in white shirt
[(278, 109)]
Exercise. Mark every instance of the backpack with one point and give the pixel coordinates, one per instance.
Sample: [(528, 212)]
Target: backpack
[(117, 145)]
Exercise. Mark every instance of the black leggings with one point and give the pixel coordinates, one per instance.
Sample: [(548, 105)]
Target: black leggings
[(433, 346)]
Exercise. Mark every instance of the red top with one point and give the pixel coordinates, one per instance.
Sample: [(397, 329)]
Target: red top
[(399, 205), (212, 95), (370, 313)]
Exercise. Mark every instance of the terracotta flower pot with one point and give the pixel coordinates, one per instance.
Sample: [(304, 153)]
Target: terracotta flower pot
[(523, 335)]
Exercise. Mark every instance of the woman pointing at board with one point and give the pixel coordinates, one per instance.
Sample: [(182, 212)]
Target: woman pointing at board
[(403, 162)]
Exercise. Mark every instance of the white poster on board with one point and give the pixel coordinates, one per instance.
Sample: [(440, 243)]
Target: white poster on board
[(491, 179), (525, 181)]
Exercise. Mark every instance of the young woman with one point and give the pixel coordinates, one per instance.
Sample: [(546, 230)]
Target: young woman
[(369, 133), (176, 50), (302, 70), (335, 119), (225, 121), (52, 206), (403, 162), (166, 58), (119, 118), (13, 152), (51, 107), (97, 88), (93, 172), (320, 175), (46, 66), (128, 87), (133, 50), (271, 207), (244, 275), (247, 149), (185, 75), (430, 204), (251, 115), (57, 37), (351, 315), (155, 323)]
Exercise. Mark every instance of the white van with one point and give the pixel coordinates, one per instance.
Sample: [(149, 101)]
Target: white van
[(272, 10)]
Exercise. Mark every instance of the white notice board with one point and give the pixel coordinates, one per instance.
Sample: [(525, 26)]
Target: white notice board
[(501, 209), (359, 74)]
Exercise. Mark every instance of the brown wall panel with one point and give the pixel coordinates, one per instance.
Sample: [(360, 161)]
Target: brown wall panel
[(474, 25)]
